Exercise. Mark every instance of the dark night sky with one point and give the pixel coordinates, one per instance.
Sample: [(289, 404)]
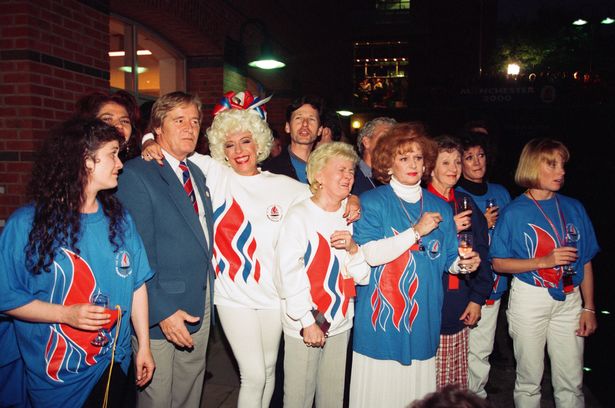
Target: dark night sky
[(529, 8)]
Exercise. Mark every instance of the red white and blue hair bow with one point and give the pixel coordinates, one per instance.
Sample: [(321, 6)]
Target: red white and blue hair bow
[(244, 101)]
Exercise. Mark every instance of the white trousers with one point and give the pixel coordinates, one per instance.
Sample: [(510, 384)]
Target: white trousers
[(481, 345), (315, 372), (535, 318), (254, 336)]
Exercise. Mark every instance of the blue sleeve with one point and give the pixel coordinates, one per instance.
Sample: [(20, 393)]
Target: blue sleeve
[(505, 196), (369, 226), (482, 284), (141, 264), (501, 241), (134, 195), (14, 288)]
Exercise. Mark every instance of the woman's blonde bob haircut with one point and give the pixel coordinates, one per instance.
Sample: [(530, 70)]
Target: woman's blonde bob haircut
[(235, 120), (321, 156), (535, 152)]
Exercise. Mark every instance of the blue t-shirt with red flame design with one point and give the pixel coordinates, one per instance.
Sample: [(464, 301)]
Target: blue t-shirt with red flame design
[(398, 314), (523, 232), (62, 366)]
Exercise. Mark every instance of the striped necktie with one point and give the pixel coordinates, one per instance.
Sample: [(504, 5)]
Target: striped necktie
[(188, 185)]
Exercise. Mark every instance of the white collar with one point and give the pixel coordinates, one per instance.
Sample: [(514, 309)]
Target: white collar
[(411, 194)]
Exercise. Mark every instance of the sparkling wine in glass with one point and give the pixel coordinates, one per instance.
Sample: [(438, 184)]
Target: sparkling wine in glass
[(100, 299), (570, 240), (465, 203), (464, 241), (490, 203)]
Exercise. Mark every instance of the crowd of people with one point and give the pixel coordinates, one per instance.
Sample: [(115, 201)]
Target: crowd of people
[(395, 260)]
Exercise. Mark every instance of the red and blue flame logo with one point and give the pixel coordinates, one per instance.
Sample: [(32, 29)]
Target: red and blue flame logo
[(541, 244), (234, 243), (326, 281), (392, 298), (68, 350)]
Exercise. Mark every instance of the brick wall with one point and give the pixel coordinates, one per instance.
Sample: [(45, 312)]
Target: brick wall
[(54, 51), (51, 52)]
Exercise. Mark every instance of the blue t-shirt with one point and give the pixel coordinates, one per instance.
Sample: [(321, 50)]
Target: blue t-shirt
[(62, 366), (523, 232), (398, 314), (300, 167), (500, 194)]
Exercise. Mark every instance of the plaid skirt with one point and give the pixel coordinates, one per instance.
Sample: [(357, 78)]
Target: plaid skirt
[(452, 359)]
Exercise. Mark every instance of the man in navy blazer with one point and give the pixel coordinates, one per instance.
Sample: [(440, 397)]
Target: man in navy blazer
[(172, 209)]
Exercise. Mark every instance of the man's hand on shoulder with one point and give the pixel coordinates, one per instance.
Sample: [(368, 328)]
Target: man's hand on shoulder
[(174, 328)]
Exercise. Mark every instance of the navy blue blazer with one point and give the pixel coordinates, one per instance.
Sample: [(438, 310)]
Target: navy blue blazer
[(174, 240)]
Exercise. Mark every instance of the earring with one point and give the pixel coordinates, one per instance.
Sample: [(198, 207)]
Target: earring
[(390, 172)]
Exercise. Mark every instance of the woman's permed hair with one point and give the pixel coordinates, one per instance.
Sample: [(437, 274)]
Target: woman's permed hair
[(399, 140), (57, 190), (235, 120), (322, 154), (535, 152)]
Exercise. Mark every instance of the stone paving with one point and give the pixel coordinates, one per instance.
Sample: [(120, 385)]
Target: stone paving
[(222, 387)]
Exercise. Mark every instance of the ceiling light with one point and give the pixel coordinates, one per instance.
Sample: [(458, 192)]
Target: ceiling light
[(345, 113), (128, 69), (122, 53)]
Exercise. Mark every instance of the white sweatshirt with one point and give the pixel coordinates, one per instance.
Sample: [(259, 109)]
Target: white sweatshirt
[(309, 271), (248, 214)]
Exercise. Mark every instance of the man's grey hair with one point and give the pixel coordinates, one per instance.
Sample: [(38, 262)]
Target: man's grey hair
[(368, 129)]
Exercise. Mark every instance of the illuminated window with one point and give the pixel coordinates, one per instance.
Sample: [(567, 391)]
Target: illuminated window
[(392, 5), (380, 74), (158, 67)]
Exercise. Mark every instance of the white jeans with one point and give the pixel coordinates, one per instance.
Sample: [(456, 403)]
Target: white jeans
[(254, 336), (535, 318), (481, 346), (315, 371)]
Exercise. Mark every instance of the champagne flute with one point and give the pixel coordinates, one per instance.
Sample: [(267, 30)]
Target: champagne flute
[(490, 203), (465, 245), (465, 203), (570, 240), (100, 299)]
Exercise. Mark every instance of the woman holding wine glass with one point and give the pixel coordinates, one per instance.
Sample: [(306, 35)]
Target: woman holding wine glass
[(537, 235), (463, 294), (408, 236), (489, 199), (74, 243)]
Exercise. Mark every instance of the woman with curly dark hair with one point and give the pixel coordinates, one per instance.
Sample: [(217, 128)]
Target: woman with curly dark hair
[(72, 244), (120, 110)]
